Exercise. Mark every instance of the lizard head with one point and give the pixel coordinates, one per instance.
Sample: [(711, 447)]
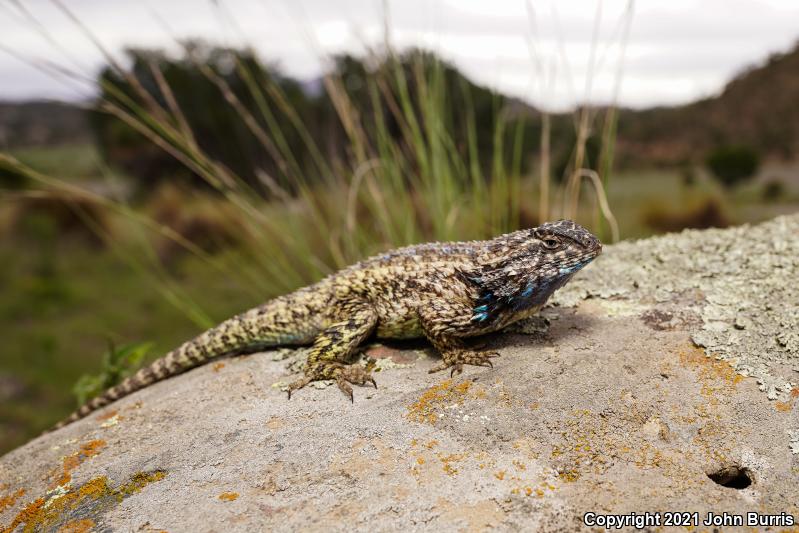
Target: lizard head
[(524, 268), (564, 246)]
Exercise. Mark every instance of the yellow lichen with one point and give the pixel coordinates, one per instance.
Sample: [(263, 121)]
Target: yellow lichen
[(138, 482), (569, 475), (228, 496), (216, 367)]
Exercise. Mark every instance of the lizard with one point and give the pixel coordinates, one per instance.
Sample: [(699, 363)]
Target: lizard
[(443, 291)]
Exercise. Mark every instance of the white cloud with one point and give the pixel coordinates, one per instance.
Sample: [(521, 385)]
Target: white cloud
[(678, 49)]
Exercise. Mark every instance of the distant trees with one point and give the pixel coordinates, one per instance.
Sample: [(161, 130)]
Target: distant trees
[(732, 164), (268, 128)]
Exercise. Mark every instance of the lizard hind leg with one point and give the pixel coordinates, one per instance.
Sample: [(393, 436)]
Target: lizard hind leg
[(333, 348)]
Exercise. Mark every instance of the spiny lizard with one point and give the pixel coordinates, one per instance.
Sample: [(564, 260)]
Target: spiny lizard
[(442, 291)]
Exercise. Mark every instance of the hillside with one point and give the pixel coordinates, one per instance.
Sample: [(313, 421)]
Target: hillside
[(759, 108), (41, 123)]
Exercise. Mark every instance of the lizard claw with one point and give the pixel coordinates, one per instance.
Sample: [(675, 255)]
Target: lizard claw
[(456, 368), (345, 388), (456, 360), (297, 385)]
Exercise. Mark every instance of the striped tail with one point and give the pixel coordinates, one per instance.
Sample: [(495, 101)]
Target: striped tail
[(288, 320)]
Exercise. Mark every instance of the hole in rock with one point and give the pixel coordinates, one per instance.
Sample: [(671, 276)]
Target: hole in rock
[(732, 476)]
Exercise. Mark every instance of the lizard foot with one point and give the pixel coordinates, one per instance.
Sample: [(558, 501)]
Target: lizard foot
[(355, 374), (342, 374), (458, 358)]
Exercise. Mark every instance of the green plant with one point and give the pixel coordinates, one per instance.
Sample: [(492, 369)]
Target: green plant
[(117, 363), (733, 164)]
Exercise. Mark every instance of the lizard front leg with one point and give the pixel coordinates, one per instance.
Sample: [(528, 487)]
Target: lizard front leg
[(333, 347), (443, 336)]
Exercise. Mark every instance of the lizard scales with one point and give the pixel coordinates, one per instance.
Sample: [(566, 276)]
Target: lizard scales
[(442, 291)]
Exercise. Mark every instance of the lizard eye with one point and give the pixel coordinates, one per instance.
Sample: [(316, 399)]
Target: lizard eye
[(551, 243)]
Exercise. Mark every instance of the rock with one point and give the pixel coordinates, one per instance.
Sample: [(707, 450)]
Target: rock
[(629, 401)]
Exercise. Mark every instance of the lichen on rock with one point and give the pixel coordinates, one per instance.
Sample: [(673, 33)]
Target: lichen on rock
[(741, 283)]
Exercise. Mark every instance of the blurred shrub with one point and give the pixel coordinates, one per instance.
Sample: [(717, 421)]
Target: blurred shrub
[(733, 164), (688, 175), (53, 214), (709, 214), (117, 364), (773, 189), (206, 221)]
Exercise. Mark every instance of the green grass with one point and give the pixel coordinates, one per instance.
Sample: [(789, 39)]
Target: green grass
[(57, 320), (73, 162)]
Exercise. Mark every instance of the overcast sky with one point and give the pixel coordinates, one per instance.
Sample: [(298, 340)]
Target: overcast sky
[(540, 50)]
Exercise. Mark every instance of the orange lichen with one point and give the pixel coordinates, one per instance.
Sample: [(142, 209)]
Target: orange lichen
[(716, 375), (71, 462), (26, 515), (77, 526), (795, 393), (500, 475), (216, 367), (228, 496), (437, 397), (105, 416), (91, 498), (11, 499), (446, 461), (785, 407)]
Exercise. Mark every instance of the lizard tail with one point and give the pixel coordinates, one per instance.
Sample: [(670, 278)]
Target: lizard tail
[(288, 320)]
